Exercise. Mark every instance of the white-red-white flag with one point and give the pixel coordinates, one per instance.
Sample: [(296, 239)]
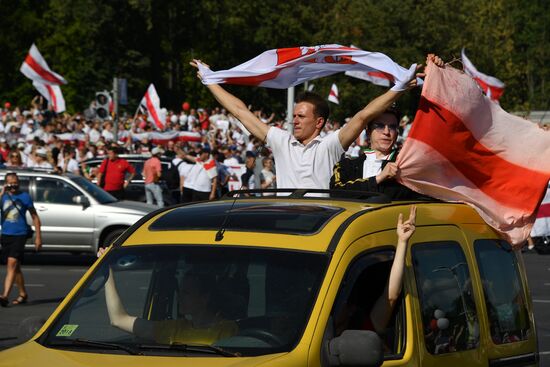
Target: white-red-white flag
[(375, 77), (492, 87), (542, 222), (333, 94), (210, 168), (286, 67), (464, 147), (53, 95), (151, 102), (35, 68)]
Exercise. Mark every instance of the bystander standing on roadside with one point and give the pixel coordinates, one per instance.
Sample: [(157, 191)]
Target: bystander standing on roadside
[(151, 177), (112, 172), (13, 207)]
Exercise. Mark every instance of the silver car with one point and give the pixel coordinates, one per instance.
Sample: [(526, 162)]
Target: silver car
[(76, 215)]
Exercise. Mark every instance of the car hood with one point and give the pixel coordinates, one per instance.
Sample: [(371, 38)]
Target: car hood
[(133, 207), (34, 354)]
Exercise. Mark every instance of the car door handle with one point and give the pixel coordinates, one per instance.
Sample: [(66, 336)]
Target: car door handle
[(41, 208)]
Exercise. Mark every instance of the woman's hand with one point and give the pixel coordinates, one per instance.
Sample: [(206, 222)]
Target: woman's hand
[(406, 229)]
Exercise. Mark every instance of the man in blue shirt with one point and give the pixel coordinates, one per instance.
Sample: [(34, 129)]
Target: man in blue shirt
[(14, 205)]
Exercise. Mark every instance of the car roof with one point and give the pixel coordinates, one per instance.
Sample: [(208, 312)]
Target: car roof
[(296, 222), (36, 172)]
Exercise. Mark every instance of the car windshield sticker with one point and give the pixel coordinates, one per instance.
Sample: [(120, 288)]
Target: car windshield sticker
[(66, 330)]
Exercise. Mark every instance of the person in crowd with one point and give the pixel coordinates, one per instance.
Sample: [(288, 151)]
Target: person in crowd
[(377, 318), (375, 170), (268, 179), (112, 172), (204, 175), (248, 179), (308, 158), (14, 160), (41, 159), (14, 204), (69, 162), (151, 177)]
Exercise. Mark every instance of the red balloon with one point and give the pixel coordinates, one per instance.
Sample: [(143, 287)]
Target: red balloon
[(7, 105), (185, 106)]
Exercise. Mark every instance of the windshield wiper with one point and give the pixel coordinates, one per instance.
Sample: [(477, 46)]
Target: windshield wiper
[(96, 345), (200, 348)]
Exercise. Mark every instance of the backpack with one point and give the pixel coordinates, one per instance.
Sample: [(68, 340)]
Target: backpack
[(172, 176)]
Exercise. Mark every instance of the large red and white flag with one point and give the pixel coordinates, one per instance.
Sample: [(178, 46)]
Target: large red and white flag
[(161, 138), (35, 68), (333, 94), (53, 95), (542, 223), (151, 102), (491, 86), (463, 147), (286, 67)]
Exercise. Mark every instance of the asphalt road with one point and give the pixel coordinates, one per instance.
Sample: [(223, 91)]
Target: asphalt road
[(49, 277)]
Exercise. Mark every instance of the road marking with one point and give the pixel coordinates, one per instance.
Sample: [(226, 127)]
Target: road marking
[(34, 285), (541, 300)]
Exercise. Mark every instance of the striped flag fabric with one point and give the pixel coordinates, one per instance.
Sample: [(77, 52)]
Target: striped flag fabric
[(161, 138), (491, 86), (53, 95), (36, 69), (151, 103), (210, 168), (333, 95), (287, 67), (542, 222), (463, 147), (375, 77)]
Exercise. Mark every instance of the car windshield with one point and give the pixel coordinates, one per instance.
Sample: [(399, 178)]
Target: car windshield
[(102, 196), (242, 301)]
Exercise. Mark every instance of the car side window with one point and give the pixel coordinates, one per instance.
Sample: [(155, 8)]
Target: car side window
[(503, 291), (50, 190), (364, 283), (443, 281)]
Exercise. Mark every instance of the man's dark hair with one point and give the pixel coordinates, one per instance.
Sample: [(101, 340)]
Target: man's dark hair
[(11, 174), (320, 106)]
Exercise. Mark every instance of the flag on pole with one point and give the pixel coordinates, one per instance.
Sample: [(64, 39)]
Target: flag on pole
[(287, 67), (463, 147), (491, 86), (53, 95), (151, 103), (36, 69), (333, 95)]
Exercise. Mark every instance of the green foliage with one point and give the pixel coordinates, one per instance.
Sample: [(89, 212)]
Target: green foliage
[(91, 41)]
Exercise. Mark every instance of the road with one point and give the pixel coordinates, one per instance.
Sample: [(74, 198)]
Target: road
[(49, 277)]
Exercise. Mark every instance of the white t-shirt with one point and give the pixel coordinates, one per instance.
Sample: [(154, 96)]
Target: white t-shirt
[(304, 166), (202, 177)]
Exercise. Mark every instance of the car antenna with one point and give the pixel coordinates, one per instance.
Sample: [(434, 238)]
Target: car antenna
[(221, 231)]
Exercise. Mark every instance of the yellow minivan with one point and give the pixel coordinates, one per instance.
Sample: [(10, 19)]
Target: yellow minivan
[(263, 280)]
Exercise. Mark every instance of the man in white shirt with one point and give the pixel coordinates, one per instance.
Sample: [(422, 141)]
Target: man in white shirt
[(304, 159), (204, 175)]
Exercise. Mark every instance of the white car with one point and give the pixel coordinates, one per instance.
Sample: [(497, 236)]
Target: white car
[(76, 215)]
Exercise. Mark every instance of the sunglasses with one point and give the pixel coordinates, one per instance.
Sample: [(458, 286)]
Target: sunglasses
[(382, 126)]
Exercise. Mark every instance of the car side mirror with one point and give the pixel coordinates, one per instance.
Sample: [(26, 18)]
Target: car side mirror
[(82, 200), (356, 348)]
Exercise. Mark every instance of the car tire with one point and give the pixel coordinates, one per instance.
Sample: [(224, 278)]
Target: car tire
[(111, 237)]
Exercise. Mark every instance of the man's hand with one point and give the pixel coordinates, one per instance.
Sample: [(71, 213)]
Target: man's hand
[(37, 243), (390, 171), (195, 63)]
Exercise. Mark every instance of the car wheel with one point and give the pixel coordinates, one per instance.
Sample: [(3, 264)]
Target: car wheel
[(111, 237)]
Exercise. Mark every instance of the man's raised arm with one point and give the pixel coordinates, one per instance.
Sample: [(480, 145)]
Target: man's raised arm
[(237, 108)]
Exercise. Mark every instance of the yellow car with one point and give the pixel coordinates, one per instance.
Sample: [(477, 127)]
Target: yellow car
[(287, 281)]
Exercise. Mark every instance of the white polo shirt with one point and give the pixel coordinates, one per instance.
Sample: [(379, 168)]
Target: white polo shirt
[(304, 166)]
